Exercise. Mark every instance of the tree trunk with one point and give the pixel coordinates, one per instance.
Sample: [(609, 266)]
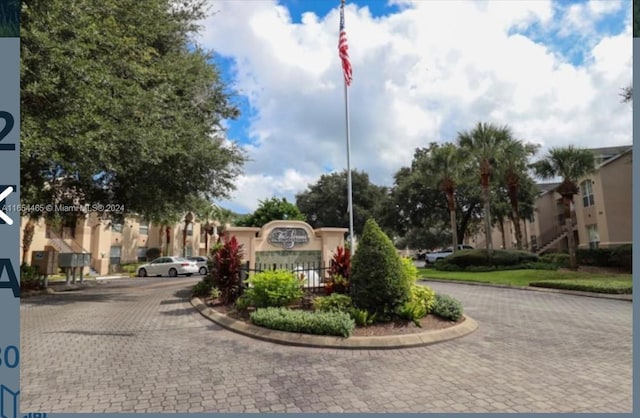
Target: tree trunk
[(206, 241), (518, 231), (526, 236), (27, 239), (452, 216), (515, 213), (184, 241), (571, 242), (504, 240), (487, 218), (168, 235)]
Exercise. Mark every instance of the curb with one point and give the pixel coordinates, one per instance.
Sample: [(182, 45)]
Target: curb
[(615, 296), (466, 327)]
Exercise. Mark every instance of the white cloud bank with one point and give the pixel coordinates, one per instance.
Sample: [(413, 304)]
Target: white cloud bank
[(422, 74)]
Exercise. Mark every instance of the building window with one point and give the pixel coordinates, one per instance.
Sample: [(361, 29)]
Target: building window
[(144, 228), (114, 255), (188, 252), (594, 237), (587, 193), (142, 254), (116, 227), (190, 230)]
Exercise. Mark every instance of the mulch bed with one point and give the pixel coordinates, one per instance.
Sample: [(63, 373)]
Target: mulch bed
[(429, 323)]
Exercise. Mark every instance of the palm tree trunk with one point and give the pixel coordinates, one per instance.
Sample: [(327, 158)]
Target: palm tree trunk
[(27, 239), (504, 240), (452, 216), (487, 218), (515, 213), (571, 242)]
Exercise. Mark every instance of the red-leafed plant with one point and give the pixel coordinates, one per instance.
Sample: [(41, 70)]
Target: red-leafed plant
[(227, 276), (339, 271)]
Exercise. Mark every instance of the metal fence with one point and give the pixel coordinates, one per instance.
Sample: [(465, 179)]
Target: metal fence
[(313, 275)]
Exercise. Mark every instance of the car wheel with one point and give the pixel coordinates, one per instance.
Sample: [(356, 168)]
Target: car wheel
[(203, 271), (173, 272), (142, 273)]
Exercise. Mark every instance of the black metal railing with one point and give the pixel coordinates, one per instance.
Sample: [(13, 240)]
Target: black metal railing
[(313, 275)]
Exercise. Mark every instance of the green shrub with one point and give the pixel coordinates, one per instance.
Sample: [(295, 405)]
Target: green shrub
[(424, 296), (30, 278), (412, 311), (587, 285), (409, 270), (538, 266), (130, 268), (202, 288), (336, 302), (362, 317), (447, 307), (243, 302), (308, 322), (478, 257), (274, 288), (558, 259), (622, 256), (478, 269), (442, 265), (593, 256), (377, 279)]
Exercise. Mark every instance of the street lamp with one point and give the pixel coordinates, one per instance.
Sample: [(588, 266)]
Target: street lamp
[(188, 218)]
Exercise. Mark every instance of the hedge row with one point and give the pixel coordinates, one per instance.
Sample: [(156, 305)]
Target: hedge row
[(307, 322), (479, 257), (611, 287)]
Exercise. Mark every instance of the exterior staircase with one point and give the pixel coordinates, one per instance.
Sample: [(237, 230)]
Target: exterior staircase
[(552, 242), (551, 237)]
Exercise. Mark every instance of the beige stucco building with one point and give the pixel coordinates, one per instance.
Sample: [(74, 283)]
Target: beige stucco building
[(602, 210), (112, 244)]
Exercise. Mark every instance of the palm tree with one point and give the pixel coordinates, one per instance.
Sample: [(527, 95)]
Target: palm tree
[(445, 165), (514, 159), (571, 164), (483, 143)]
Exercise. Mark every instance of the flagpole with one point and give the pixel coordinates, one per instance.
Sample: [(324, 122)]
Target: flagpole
[(348, 128), (349, 186)]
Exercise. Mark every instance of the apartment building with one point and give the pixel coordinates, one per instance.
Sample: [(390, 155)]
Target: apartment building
[(112, 244), (601, 212)]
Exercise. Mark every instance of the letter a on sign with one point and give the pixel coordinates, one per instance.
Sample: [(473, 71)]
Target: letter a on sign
[(6, 266), (8, 402)]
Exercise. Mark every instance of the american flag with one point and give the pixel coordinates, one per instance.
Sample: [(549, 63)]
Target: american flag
[(343, 50)]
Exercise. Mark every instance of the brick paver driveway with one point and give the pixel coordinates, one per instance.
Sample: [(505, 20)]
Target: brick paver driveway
[(137, 345)]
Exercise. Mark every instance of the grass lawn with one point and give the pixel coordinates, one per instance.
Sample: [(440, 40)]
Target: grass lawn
[(593, 282)]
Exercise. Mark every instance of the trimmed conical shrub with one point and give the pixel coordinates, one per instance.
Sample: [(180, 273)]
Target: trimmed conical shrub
[(377, 279)]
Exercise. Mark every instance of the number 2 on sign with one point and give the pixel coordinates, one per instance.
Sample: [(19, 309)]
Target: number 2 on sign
[(8, 126)]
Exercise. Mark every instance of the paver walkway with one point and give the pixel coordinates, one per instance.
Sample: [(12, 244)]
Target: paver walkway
[(138, 346)]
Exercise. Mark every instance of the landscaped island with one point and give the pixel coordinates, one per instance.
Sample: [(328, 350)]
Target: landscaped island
[(375, 293)]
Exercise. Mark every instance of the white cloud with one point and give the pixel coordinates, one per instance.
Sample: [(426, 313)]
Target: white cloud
[(420, 75)]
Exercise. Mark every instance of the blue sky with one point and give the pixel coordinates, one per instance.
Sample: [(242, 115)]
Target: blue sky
[(423, 71)]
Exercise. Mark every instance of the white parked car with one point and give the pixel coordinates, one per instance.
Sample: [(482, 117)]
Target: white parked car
[(168, 266), (201, 262), (431, 258), (311, 277)]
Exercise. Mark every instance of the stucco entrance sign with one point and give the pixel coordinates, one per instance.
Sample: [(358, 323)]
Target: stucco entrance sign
[(288, 238)]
